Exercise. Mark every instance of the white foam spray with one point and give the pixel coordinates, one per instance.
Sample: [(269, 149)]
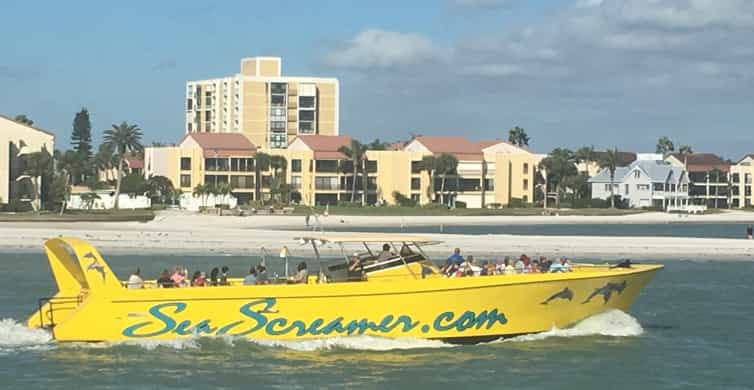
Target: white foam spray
[(14, 335), (614, 323), (364, 343)]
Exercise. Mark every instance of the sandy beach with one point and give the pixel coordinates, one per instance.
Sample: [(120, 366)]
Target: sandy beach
[(184, 233)]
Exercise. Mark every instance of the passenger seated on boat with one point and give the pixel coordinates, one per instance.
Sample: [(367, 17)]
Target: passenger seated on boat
[(560, 266), (199, 279), (135, 281), (355, 268), (302, 274), (386, 253), (544, 264), (262, 277), (213, 276), (535, 267), (470, 268), (406, 251), (224, 276), (178, 277), (251, 278), (507, 268), (164, 280)]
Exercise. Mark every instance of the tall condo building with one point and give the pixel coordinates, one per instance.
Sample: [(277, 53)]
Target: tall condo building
[(259, 102)]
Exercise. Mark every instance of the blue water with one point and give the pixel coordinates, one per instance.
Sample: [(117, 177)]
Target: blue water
[(708, 230), (691, 328)]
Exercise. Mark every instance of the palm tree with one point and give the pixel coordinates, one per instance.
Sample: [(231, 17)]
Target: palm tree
[(664, 145), (36, 166), (123, 139), (202, 191), (585, 155), (609, 161), (68, 164), (105, 160), (224, 189), (261, 163), (517, 136), (428, 164), (356, 152), (558, 165), (445, 164)]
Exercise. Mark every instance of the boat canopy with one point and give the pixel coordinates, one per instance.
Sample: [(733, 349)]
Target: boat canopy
[(367, 238)]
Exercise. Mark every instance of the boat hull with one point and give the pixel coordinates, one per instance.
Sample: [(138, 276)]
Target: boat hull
[(468, 309)]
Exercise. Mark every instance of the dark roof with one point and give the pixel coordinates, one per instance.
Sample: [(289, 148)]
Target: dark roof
[(702, 162), (24, 124)]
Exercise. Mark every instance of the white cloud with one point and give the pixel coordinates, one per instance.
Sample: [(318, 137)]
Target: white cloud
[(375, 48)]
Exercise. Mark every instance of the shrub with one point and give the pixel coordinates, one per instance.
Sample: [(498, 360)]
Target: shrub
[(516, 203), (436, 206), (460, 204), (349, 204), (403, 200), (18, 206), (494, 205)]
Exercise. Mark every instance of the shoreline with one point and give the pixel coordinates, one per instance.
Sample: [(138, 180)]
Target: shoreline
[(191, 234)]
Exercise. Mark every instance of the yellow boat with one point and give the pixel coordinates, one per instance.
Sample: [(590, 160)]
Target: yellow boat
[(401, 296)]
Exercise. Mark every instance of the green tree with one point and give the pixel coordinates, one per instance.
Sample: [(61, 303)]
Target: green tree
[(68, 164), (123, 139), (428, 164), (160, 188), (23, 119), (81, 136), (261, 163), (664, 145), (685, 150), (134, 184), (37, 165), (105, 160), (558, 165), (517, 136), (585, 155), (357, 153), (446, 164), (202, 191), (609, 161), (224, 190)]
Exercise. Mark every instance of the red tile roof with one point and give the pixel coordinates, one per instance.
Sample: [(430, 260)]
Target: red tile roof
[(702, 162), (460, 147), (326, 147), (224, 144)]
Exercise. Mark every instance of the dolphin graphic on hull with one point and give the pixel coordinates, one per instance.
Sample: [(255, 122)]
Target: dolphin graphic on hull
[(565, 293), (607, 291)]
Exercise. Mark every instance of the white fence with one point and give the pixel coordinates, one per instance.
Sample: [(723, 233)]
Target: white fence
[(193, 203), (691, 209), (106, 200)]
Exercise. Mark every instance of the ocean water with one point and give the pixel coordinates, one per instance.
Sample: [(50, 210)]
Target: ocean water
[(702, 230), (692, 328)]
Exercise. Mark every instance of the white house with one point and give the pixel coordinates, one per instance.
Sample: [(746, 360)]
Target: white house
[(644, 183)]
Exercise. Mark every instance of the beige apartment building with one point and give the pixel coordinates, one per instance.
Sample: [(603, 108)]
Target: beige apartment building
[(741, 175), (17, 139), (259, 102)]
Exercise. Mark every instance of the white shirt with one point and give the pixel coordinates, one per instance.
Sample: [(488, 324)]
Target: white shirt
[(135, 281)]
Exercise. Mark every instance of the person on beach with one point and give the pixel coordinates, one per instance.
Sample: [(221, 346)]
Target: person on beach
[(164, 280), (749, 232), (251, 278), (135, 281)]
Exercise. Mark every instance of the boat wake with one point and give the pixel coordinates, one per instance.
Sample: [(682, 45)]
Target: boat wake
[(16, 336), (362, 343), (613, 323)]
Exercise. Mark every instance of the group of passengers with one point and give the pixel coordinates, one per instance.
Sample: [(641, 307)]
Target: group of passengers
[(218, 276), (458, 266)]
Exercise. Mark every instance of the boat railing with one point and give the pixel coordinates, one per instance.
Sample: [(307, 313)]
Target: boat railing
[(53, 304)]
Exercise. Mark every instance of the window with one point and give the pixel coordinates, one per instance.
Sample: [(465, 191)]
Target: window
[(234, 165), (735, 177), (526, 168), (658, 186), (306, 115), (277, 100), (526, 184), (296, 182), (326, 183), (326, 165), (185, 180), (626, 188), (371, 166), (747, 191), (672, 187), (415, 183), (306, 101), (489, 184), (189, 104), (242, 182), (642, 187), (637, 174), (210, 164), (295, 165), (416, 166), (278, 88), (185, 163), (306, 127)]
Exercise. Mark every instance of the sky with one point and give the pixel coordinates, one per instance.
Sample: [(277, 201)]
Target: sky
[(607, 73)]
